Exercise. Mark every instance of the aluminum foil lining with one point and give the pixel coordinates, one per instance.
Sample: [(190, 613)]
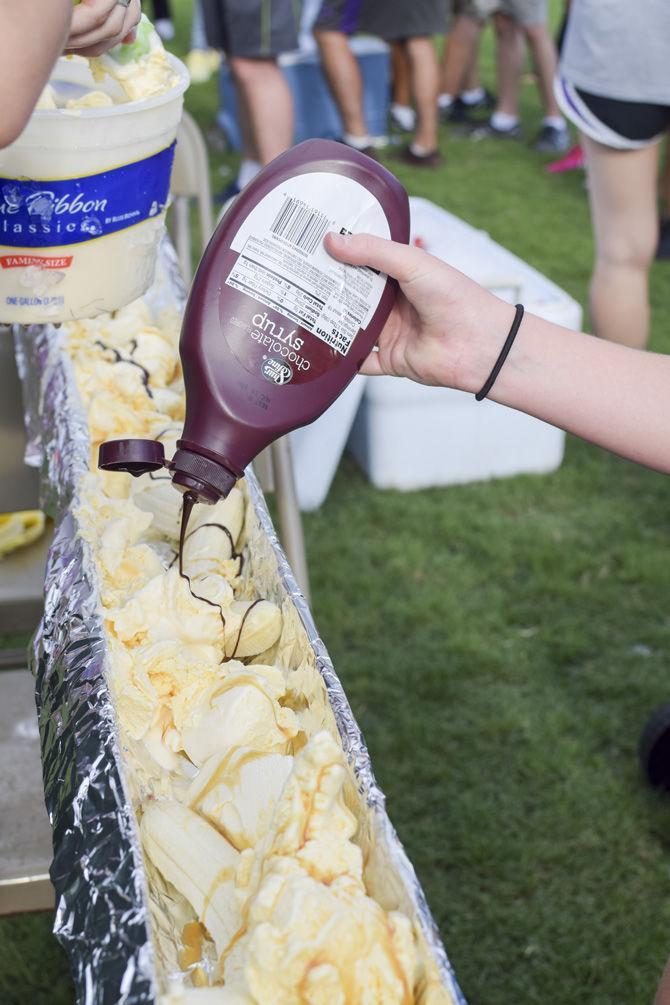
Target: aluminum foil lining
[(102, 915)]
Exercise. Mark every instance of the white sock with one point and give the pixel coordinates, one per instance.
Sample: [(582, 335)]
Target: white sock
[(357, 142), (419, 151), (473, 96), (503, 121), (248, 170), (555, 121), (445, 100), (405, 115)]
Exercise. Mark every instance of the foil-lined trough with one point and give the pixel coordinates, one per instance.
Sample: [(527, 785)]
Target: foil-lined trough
[(102, 913)]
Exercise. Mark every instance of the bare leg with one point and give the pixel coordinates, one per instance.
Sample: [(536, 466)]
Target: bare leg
[(545, 59), (472, 80), (425, 74), (622, 193), (663, 993), (509, 60), (344, 79), (249, 150), (460, 54), (267, 103), (402, 94)]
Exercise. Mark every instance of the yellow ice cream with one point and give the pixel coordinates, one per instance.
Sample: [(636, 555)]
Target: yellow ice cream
[(239, 790)]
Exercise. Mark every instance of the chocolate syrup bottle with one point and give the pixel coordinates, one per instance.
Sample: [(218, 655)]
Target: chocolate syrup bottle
[(274, 328)]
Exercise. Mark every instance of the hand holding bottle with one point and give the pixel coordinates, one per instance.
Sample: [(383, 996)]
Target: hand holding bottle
[(447, 330)]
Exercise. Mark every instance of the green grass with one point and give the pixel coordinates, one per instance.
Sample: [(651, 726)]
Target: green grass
[(502, 645)]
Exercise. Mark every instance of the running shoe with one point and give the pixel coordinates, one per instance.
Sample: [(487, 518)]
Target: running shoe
[(573, 160), (487, 131), (552, 139), (433, 159)]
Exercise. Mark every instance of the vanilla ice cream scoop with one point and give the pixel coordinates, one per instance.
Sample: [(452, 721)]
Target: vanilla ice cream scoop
[(237, 791), (242, 710)]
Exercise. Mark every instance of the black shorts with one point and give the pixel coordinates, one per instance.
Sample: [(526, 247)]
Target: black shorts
[(255, 29), (624, 125), (340, 15)]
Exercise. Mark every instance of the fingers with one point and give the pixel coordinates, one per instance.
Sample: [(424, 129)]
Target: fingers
[(397, 260), (98, 25)]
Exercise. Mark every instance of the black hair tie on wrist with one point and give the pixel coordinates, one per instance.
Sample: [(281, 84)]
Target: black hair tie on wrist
[(504, 353)]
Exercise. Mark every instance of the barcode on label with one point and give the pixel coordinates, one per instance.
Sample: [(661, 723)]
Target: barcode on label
[(300, 224)]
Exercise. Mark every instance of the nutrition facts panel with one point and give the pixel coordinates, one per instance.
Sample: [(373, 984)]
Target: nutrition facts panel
[(283, 263), (311, 297)]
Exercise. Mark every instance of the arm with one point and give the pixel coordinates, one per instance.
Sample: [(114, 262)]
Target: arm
[(27, 56), (446, 330)]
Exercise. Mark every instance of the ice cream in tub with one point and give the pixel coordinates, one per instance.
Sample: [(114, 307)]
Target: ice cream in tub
[(83, 190)]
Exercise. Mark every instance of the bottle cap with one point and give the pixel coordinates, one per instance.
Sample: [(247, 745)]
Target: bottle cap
[(134, 456)]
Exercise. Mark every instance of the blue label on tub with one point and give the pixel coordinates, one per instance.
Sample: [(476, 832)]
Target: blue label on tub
[(44, 214)]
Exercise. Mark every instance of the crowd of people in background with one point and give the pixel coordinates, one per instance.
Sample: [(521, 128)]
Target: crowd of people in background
[(611, 86)]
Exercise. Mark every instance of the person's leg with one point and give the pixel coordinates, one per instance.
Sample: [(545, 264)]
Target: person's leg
[(267, 102), (545, 59), (425, 75), (663, 992), (460, 54), (622, 192), (345, 81), (403, 115), (509, 61), (402, 88)]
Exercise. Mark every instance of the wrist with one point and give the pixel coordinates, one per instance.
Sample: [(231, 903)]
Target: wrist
[(482, 342)]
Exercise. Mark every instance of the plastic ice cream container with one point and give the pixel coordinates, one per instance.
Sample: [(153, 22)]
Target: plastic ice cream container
[(83, 193), (274, 328)]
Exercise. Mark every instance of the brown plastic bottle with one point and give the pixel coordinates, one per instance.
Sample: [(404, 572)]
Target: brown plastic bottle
[(275, 329)]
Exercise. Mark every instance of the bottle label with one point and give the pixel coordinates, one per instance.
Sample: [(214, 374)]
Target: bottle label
[(47, 214), (282, 262)]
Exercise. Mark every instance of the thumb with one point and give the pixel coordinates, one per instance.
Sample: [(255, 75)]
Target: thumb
[(396, 260)]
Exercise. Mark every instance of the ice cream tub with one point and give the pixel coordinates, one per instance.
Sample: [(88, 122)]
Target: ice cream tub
[(83, 192)]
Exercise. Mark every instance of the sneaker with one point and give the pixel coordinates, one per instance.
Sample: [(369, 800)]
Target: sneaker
[(431, 160), (573, 160), (552, 140), (402, 118), (457, 111), (165, 28), (487, 131)]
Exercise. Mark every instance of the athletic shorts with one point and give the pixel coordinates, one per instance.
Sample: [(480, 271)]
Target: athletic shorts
[(396, 20), (623, 125), (255, 29), (340, 15), (476, 10), (526, 12)]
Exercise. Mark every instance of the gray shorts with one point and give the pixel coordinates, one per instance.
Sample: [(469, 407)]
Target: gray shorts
[(255, 29), (524, 11), (395, 20)]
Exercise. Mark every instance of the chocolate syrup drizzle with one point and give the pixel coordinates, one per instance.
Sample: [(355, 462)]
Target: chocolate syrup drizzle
[(187, 506), (118, 358)]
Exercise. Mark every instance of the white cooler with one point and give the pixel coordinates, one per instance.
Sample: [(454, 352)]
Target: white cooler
[(407, 436)]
